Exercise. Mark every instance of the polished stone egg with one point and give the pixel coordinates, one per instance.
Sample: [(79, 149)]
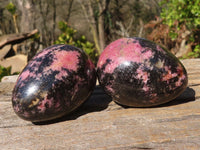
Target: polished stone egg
[(140, 73), (54, 83)]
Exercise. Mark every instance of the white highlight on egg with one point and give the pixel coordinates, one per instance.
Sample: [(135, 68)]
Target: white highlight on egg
[(31, 89)]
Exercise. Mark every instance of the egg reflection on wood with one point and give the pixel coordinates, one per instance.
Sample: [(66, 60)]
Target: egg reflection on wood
[(139, 73), (54, 83)]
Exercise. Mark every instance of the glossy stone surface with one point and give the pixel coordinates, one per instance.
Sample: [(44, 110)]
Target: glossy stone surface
[(54, 83), (139, 73)]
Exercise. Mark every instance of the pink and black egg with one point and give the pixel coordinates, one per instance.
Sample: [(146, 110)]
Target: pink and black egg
[(54, 83), (139, 73)]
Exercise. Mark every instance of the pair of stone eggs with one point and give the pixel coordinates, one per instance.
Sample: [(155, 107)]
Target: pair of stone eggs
[(133, 71)]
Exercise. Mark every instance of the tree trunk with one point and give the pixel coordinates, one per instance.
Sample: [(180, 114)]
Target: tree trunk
[(101, 25), (97, 27), (15, 23), (69, 10), (27, 8), (89, 15), (54, 20), (141, 27)]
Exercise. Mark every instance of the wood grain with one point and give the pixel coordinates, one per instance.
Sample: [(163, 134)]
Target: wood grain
[(102, 124), (8, 39)]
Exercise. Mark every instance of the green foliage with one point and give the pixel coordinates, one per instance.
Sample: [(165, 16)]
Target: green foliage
[(11, 8), (195, 53), (68, 36), (4, 72), (182, 15), (183, 11), (35, 37)]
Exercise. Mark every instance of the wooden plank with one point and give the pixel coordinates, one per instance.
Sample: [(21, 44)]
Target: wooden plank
[(8, 39), (102, 124)]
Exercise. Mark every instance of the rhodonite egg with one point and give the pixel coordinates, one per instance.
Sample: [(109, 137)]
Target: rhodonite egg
[(139, 73), (54, 83)]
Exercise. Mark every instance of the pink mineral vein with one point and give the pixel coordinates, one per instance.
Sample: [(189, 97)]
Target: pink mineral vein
[(123, 50), (24, 75), (43, 103), (142, 75), (169, 75), (65, 59), (181, 76), (42, 54)]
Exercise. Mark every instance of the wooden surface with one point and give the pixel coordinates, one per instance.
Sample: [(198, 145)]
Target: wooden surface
[(102, 124), (14, 38)]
